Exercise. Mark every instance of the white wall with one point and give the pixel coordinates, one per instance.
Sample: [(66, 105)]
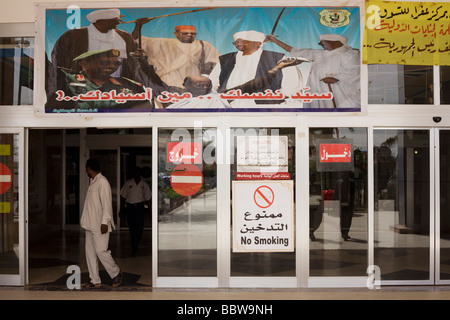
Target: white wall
[(24, 10)]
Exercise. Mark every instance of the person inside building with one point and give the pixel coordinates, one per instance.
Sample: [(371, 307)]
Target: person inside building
[(177, 58), (135, 195), (250, 62), (335, 69)]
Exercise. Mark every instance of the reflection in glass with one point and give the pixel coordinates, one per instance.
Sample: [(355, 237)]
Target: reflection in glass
[(9, 204), (187, 240), (445, 85), (16, 71), (338, 201), (263, 264), (444, 159), (400, 84), (402, 203)]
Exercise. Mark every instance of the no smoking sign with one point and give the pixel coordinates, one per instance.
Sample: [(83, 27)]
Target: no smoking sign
[(264, 197), (263, 216)]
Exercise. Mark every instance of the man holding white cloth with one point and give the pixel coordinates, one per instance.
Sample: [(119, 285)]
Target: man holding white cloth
[(97, 220)]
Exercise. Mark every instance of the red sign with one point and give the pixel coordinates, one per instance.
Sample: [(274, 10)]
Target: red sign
[(186, 179), (263, 176), (5, 178), (184, 152), (335, 153), (264, 197)]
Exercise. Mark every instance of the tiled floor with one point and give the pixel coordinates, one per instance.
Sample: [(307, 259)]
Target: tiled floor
[(48, 274), (49, 260), (391, 293)]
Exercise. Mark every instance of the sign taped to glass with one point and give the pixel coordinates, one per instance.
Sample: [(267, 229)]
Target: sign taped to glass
[(334, 155), (128, 60)]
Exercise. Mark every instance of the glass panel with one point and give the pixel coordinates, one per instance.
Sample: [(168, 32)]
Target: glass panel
[(399, 84), (187, 203), (445, 85), (16, 71), (275, 263), (338, 201), (132, 158), (73, 185), (402, 204), (444, 158), (9, 205)]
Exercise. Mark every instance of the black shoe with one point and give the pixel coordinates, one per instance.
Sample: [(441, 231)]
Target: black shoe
[(346, 237), (312, 237), (117, 280)]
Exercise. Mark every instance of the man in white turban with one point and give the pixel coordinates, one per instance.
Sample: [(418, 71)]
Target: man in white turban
[(176, 59), (336, 68), (101, 34), (251, 62)]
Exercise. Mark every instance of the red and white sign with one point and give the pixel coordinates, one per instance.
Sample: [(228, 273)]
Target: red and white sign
[(335, 153), (263, 216), (6, 178), (184, 152), (264, 197), (186, 179), (263, 176)]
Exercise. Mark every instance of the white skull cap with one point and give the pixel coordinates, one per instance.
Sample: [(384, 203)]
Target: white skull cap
[(333, 37), (106, 14), (250, 36)]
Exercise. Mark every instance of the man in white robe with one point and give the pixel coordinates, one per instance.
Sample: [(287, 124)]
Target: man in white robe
[(175, 59), (97, 220), (251, 62), (337, 67)]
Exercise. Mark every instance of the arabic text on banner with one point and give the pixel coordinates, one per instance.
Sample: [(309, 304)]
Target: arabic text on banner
[(410, 33)]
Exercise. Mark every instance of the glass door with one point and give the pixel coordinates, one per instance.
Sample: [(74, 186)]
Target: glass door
[(443, 207), (338, 206), (12, 246), (187, 208), (404, 210)]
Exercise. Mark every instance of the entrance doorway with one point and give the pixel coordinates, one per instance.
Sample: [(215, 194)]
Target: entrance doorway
[(57, 188)]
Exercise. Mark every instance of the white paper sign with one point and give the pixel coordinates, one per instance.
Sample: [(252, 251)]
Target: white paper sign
[(262, 154), (263, 216)]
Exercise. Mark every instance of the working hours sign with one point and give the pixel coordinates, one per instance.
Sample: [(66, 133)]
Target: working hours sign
[(263, 216)]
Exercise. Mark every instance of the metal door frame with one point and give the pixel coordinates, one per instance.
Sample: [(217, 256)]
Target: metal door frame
[(20, 279)]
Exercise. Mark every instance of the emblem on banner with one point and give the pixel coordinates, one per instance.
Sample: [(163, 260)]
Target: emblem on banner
[(335, 18)]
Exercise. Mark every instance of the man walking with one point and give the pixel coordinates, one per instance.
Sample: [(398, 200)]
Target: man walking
[(97, 220)]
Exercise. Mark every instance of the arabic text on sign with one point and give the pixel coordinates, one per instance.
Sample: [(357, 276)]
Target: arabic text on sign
[(335, 153)]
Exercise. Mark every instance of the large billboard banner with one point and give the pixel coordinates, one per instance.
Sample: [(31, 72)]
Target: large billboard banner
[(216, 59)]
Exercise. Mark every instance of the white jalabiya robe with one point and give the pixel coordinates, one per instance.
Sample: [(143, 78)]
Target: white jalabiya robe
[(174, 60), (343, 64)]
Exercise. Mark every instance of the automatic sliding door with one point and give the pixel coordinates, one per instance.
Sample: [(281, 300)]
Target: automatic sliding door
[(11, 221), (444, 206), (338, 202), (402, 204), (187, 203)]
